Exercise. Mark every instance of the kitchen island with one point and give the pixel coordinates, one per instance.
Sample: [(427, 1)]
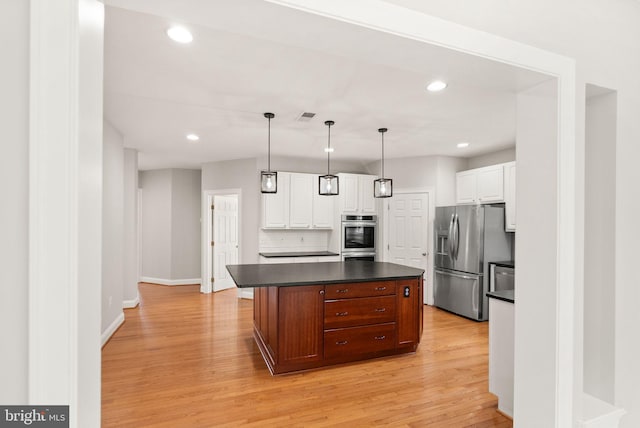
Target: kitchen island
[(309, 315)]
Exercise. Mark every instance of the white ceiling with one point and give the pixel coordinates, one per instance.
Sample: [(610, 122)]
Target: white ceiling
[(251, 56)]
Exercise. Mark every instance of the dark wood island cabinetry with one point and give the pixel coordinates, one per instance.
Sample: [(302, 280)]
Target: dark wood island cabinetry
[(333, 313)]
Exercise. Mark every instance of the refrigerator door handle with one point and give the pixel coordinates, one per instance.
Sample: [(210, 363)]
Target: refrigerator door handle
[(456, 233), (475, 297), (457, 275), (450, 238)]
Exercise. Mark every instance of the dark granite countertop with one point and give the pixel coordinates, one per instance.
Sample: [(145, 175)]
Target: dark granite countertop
[(506, 295), (291, 274), (299, 254), (509, 263)]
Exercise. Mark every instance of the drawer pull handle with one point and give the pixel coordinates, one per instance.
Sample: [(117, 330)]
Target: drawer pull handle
[(381, 288), (381, 309), (343, 290), (342, 314), (380, 337), (342, 342)]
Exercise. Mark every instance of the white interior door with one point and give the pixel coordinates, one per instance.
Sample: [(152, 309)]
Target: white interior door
[(409, 231), (225, 239)]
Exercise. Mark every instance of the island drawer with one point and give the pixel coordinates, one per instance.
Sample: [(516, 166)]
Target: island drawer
[(362, 311), (359, 340), (360, 289)]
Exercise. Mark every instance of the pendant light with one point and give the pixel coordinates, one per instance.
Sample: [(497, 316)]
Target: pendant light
[(328, 184), (268, 178), (382, 187)]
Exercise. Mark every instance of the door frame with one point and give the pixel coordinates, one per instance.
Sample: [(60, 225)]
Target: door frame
[(430, 192), (206, 234)]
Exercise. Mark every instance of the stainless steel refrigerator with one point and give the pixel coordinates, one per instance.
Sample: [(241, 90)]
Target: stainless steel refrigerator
[(468, 237)]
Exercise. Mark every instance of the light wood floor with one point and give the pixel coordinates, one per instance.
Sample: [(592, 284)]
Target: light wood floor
[(185, 359)]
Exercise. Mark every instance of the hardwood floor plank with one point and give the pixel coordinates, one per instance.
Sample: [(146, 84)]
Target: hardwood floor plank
[(185, 359)]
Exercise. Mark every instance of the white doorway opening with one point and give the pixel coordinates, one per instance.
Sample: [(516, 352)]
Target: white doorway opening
[(408, 237), (221, 232)]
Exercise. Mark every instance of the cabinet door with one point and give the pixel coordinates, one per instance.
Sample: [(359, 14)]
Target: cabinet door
[(300, 332), (510, 196), (365, 190), (322, 215), (349, 193), (275, 206), (409, 309), (300, 201), (466, 187), (490, 185)]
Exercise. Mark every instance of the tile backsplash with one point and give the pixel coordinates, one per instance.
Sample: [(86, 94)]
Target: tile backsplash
[(293, 240)]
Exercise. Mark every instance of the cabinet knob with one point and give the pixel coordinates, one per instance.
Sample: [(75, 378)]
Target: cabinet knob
[(321, 291)]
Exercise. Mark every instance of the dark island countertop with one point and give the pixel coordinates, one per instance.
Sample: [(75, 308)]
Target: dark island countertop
[(291, 274), (506, 295), (299, 254)]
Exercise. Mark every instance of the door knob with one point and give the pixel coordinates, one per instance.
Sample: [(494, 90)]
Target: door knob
[(424, 254)]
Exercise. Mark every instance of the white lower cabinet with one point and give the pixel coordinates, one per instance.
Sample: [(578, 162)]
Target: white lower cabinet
[(501, 351)]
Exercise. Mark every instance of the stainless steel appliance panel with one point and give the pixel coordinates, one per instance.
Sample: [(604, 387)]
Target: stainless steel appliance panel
[(460, 293), (502, 278), (468, 234)]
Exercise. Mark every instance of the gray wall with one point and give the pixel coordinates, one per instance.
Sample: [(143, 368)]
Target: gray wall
[(156, 223), (500, 156), (130, 244), (112, 224), (185, 223), (170, 216), (14, 186), (437, 172), (599, 247)]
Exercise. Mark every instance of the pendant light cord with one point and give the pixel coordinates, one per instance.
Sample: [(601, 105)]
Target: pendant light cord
[(269, 147), (329, 151), (382, 155)]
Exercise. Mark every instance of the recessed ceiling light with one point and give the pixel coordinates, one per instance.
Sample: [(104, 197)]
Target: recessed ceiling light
[(328, 149), (180, 35), (436, 85), (192, 137), (462, 145)]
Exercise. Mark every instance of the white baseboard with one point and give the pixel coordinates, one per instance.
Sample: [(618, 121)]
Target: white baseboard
[(106, 335), (128, 304), (161, 281), (244, 293)]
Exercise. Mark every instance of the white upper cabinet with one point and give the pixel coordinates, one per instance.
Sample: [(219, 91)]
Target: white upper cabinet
[(510, 196), (348, 188), (466, 182), (480, 185), (300, 201), (297, 204), (322, 209), (356, 194), (365, 188), (275, 206)]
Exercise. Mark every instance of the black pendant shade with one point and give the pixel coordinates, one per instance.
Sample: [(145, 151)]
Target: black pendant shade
[(268, 178), (328, 184), (382, 187)]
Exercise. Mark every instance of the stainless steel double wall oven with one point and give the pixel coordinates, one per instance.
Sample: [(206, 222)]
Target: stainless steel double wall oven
[(359, 234)]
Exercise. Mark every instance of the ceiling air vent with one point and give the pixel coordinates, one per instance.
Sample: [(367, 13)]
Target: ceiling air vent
[(306, 116)]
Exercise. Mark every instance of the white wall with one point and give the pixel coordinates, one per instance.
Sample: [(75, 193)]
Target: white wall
[(493, 158), (112, 225), (14, 187), (170, 216), (600, 247), (130, 244), (603, 37), (185, 223), (446, 179), (536, 201)]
